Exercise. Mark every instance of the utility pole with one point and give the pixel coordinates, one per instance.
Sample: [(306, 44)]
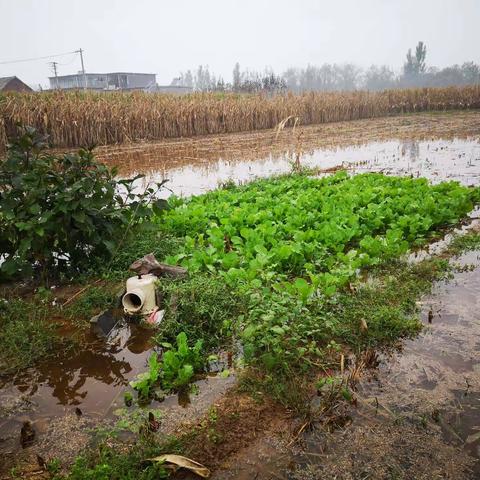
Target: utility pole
[(54, 67), (80, 51)]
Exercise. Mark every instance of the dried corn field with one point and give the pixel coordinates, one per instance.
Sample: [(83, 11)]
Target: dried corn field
[(88, 118)]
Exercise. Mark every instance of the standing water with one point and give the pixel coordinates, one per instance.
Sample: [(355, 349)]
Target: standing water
[(438, 160)]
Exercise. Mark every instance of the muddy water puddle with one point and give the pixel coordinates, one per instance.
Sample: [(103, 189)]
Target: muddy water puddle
[(79, 390), (435, 378), (84, 381), (438, 160)]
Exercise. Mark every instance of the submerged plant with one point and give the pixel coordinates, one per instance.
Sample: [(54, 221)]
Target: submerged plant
[(146, 381), (178, 365)]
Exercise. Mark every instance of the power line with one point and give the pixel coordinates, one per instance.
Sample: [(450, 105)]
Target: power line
[(38, 58), (73, 58)]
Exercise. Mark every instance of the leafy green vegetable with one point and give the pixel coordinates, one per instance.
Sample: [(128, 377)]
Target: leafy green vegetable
[(180, 364), (288, 246), (176, 369), (310, 236), (147, 380)]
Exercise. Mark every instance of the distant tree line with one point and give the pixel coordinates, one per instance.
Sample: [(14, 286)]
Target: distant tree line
[(336, 77), (246, 82)]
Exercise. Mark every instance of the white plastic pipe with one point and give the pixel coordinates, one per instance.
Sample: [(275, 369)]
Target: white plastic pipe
[(133, 301), (140, 295)]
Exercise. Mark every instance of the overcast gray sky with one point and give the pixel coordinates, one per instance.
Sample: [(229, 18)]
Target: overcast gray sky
[(166, 37)]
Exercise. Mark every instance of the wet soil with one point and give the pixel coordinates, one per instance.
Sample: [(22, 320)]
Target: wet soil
[(417, 413), (94, 377)]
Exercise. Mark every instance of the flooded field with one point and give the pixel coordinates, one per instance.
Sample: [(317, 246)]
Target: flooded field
[(440, 147), (434, 377)]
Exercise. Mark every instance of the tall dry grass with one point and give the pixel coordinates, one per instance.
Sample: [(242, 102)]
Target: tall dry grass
[(88, 118)]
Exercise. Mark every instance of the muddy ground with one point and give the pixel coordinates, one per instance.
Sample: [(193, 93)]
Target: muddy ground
[(417, 410)]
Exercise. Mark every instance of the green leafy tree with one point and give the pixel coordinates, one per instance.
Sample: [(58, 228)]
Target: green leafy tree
[(415, 64), (62, 213)]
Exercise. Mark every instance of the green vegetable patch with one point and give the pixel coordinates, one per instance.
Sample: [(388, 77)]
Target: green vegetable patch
[(305, 236), (291, 248)]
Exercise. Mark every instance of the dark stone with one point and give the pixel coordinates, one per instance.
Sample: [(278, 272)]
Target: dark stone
[(149, 264), (103, 323)]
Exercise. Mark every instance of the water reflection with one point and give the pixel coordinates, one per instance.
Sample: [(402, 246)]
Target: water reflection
[(90, 376), (438, 160), (411, 149)]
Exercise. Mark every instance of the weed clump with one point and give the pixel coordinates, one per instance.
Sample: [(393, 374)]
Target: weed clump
[(27, 334), (203, 307)]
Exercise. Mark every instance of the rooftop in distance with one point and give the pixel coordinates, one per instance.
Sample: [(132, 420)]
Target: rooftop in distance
[(13, 84), (124, 81)]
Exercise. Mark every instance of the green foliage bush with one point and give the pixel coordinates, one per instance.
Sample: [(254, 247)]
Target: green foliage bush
[(62, 212)]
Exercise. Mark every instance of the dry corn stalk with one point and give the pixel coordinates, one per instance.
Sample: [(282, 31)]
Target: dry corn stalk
[(90, 118)]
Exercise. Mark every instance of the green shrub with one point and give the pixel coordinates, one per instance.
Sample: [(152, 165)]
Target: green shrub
[(62, 212)]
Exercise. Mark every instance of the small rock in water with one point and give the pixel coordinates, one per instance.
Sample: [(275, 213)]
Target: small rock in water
[(27, 434), (103, 323)]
